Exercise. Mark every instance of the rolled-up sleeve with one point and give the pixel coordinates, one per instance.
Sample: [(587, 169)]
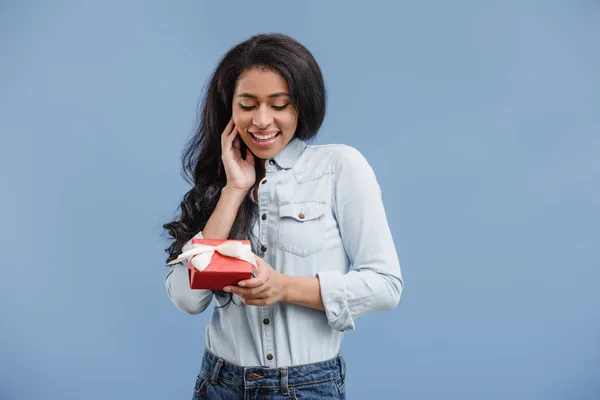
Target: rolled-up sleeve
[(374, 282), (189, 301)]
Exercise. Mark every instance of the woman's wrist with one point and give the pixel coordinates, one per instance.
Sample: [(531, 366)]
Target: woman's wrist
[(285, 288), (302, 290), (235, 193), (221, 220)]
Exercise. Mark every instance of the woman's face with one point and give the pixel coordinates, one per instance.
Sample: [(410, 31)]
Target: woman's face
[(263, 113)]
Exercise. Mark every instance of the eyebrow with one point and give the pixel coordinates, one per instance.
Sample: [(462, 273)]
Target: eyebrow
[(280, 94)]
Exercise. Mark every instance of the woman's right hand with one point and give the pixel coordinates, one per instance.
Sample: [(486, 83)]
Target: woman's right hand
[(240, 172)]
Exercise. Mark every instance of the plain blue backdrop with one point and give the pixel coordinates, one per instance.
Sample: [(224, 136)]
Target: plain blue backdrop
[(480, 119)]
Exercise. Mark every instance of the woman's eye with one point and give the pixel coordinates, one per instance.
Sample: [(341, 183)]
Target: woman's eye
[(278, 108)]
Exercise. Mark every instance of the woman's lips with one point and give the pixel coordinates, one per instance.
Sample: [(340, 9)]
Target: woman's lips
[(264, 138)]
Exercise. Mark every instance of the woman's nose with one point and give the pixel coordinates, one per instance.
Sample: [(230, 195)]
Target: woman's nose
[(262, 117)]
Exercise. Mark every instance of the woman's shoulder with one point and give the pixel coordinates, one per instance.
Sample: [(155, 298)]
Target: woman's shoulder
[(337, 160), (336, 155)]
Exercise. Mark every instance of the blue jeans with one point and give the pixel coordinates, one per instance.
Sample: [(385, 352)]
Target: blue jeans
[(222, 380)]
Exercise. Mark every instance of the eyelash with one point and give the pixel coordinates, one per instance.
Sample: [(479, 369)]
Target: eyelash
[(278, 108)]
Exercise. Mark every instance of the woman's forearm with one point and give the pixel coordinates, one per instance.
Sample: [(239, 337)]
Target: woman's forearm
[(303, 291), (220, 222)]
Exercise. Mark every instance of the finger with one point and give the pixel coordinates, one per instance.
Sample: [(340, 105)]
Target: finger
[(226, 132), (236, 143), (248, 293), (228, 128), (261, 278), (227, 141), (253, 292), (249, 157), (233, 135), (258, 302), (259, 261)]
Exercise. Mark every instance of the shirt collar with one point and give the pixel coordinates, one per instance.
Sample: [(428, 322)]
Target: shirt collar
[(287, 157)]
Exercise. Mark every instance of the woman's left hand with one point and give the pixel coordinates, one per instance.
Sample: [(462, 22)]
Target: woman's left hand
[(266, 288)]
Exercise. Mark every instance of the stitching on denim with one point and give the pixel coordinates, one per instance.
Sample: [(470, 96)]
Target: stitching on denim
[(316, 146), (300, 178), (297, 384), (313, 382), (214, 376), (321, 210), (309, 216), (284, 381), (309, 178), (333, 166), (200, 391), (287, 202)]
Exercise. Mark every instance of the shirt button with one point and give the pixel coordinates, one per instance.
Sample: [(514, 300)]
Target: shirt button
[(265, 181), (269, 356), (301, 216), (271, 162), (264, 216), (263, 248), (266, 321)]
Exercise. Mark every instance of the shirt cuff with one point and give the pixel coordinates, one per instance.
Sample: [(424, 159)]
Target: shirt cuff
[(333, 294), (188, 245)]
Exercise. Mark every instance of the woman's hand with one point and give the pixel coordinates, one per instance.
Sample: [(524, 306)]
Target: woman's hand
[(267, 288), (240, 172)]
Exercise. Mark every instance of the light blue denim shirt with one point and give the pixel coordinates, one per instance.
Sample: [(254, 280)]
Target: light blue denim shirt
[(320, 215)]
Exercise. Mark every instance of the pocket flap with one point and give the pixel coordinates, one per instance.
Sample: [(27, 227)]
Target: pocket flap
[(304, 211)]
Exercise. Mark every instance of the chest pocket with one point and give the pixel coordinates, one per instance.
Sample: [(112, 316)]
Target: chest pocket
[(302, 227)]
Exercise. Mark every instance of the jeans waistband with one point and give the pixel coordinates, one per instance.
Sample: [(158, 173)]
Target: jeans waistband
[(281, 377)]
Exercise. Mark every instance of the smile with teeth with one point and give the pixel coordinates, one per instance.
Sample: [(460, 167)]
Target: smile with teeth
[(264, 137)]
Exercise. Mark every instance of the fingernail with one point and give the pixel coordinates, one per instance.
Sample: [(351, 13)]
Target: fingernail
[(242, 283), (226, 289)]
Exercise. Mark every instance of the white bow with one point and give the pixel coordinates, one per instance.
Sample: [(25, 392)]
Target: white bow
[(201, 254)]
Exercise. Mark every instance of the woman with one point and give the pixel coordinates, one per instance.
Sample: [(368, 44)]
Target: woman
[(313, 214)]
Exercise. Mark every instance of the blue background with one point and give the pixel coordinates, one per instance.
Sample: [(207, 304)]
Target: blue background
[(481, 120)]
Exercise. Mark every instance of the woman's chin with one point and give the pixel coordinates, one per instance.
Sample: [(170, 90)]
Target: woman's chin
[(265, 153)]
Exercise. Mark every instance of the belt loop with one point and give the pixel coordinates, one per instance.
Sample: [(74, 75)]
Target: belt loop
[(343, 367), (284, 381), (215, 374)]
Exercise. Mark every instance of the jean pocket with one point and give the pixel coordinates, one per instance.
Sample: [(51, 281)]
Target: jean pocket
[(302, 227)]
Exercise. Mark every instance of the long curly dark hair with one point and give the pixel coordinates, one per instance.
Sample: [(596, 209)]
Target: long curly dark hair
[(201, 158)]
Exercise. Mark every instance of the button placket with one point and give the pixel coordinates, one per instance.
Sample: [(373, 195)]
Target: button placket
[(265, 311), (267, 334), (263, 202)]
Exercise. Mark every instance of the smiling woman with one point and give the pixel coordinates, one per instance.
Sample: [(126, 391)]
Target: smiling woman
[(323, 247), (263, 114)]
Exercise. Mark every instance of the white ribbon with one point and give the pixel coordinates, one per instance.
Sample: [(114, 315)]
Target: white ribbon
[(201, 254)]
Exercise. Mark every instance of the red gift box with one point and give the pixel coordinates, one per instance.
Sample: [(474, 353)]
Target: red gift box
[(222, 270)]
